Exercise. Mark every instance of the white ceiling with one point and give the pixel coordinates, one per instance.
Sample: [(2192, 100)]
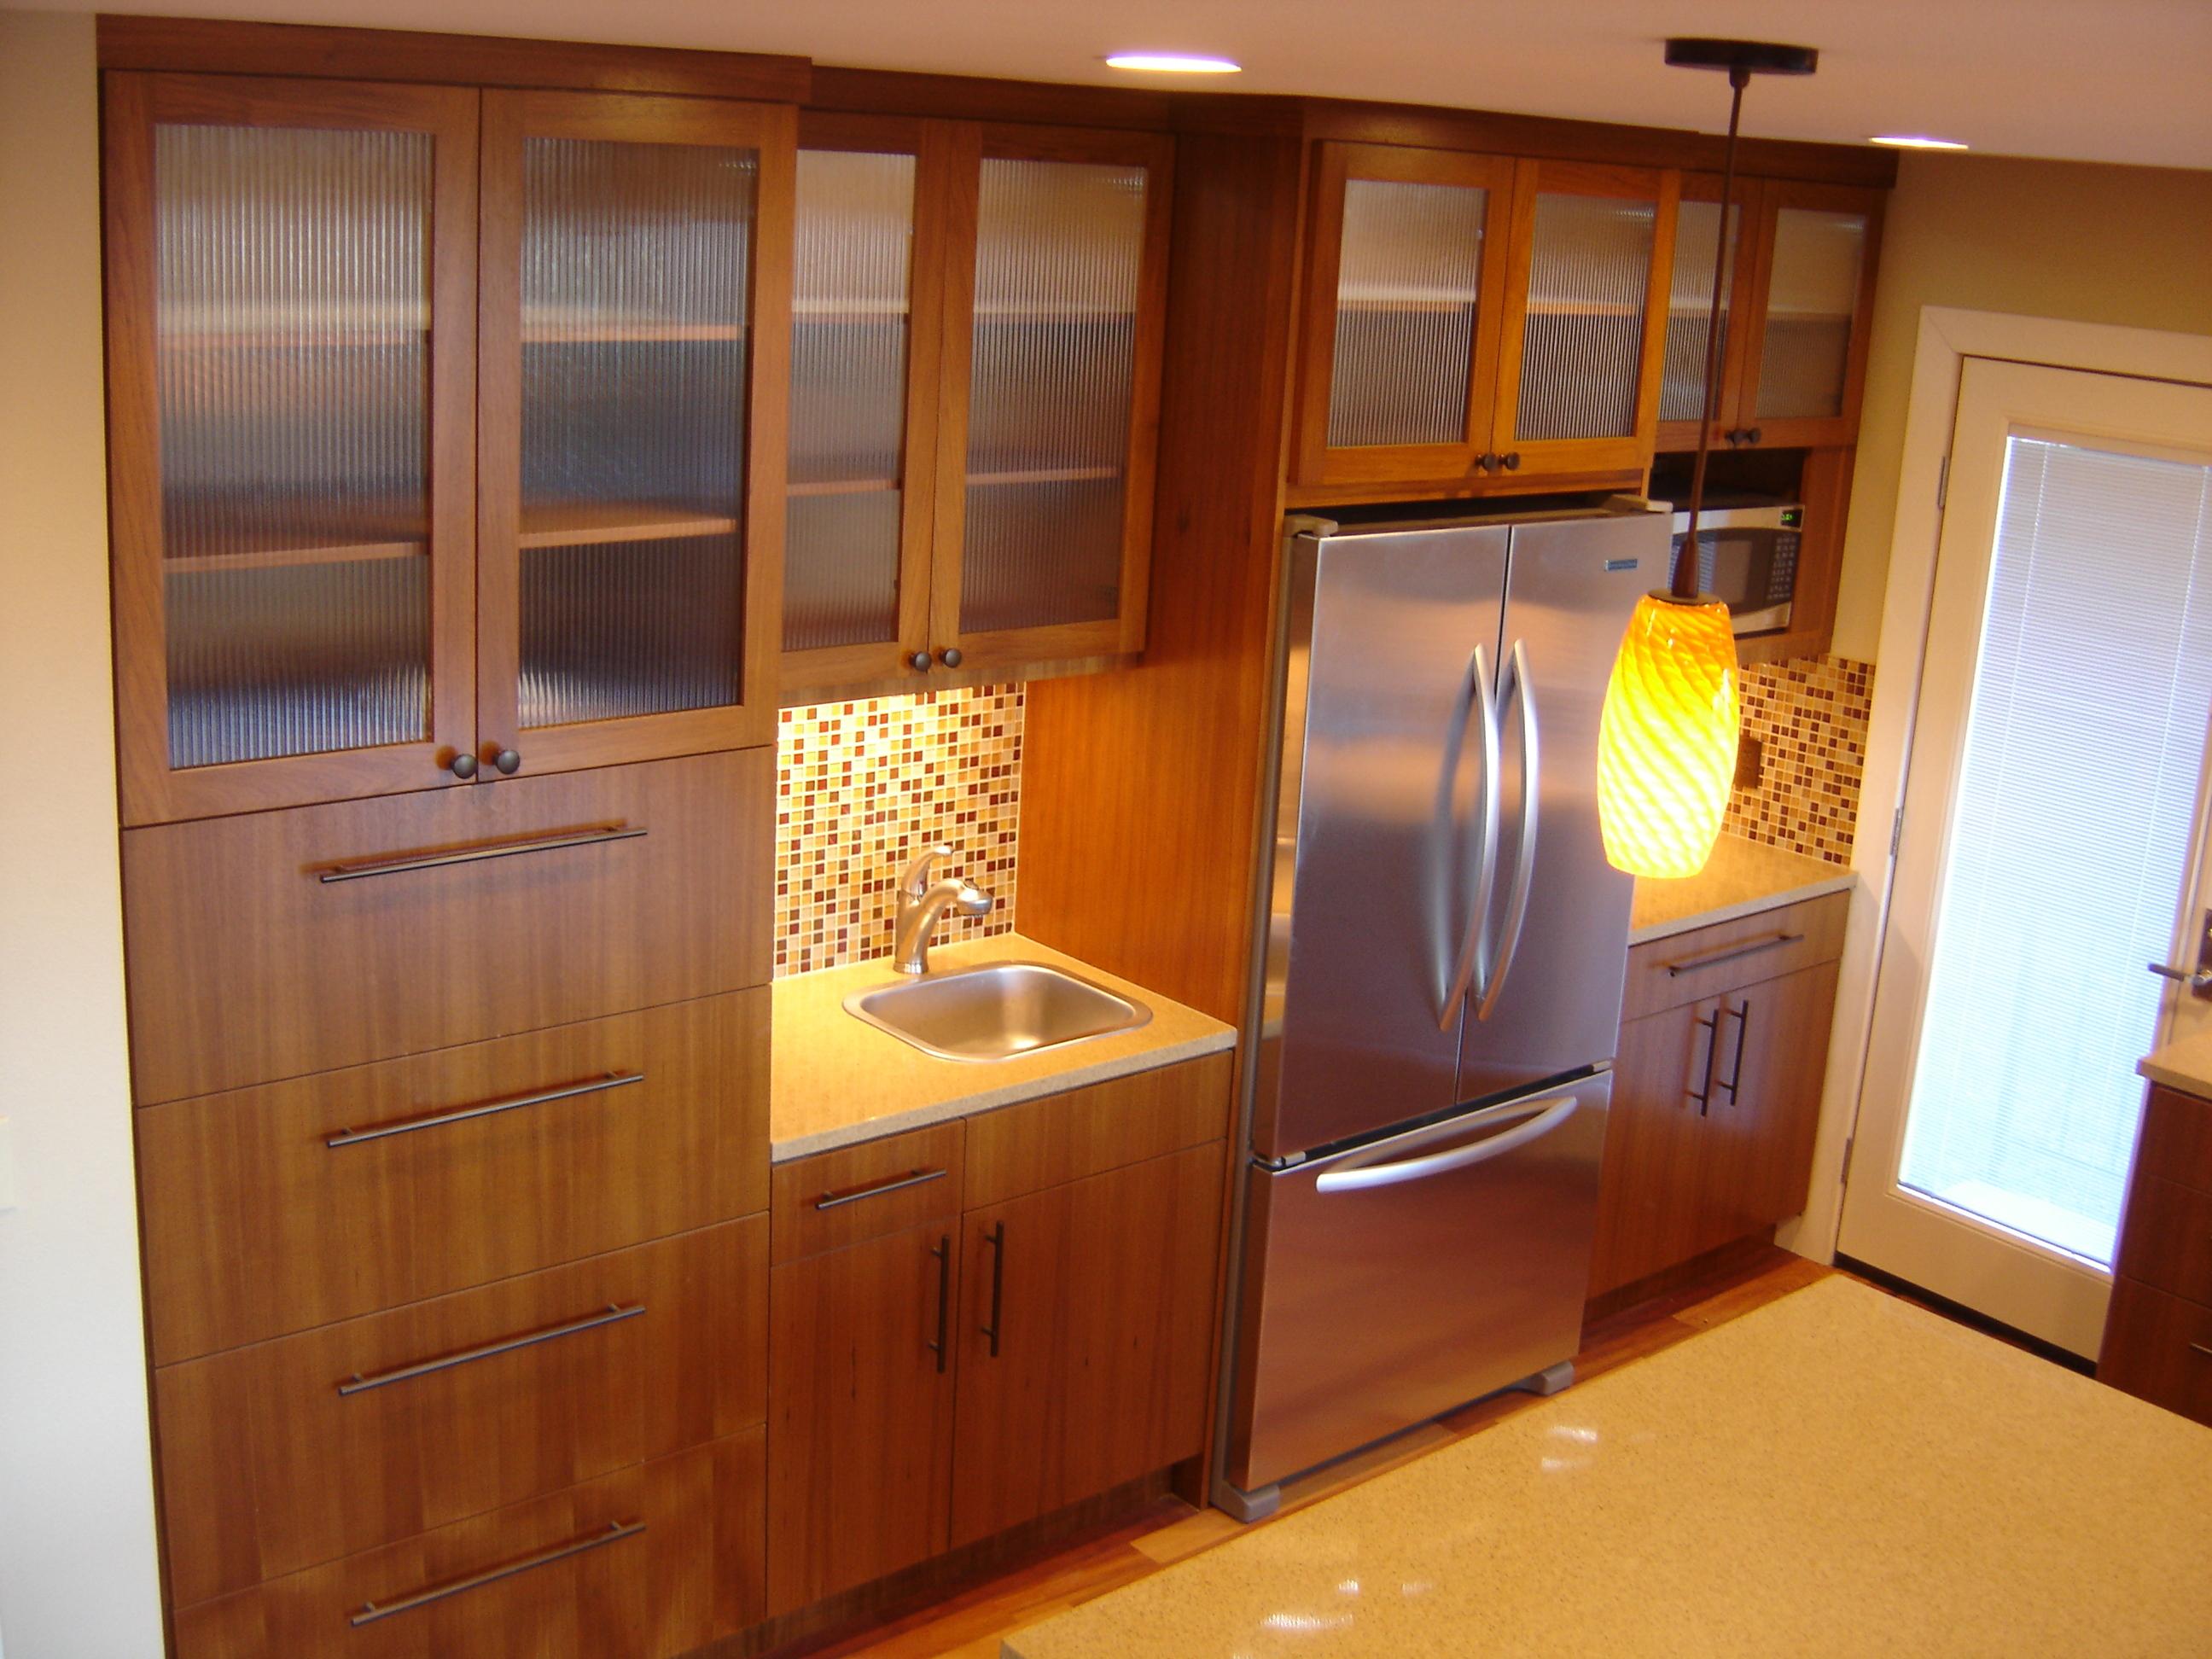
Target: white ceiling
[(2127, 81)]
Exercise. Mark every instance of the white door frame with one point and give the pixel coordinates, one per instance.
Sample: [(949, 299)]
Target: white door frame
[(1947, 336)]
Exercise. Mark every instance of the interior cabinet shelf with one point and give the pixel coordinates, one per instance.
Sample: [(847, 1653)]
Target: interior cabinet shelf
[(588, 524), (553, 331), (279, 558), (798, 486), (1044, 475)]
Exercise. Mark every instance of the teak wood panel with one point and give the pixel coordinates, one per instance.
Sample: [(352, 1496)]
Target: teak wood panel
[(1086, 1331), (268, 1468), (838, 1198), (510, 118), (2175, 1141), (255, 1225), (247, 967), (152, 790), (861, 1412), (1825, 488), (1743, 283), (2159, 1347), (1665, 973), (1841, 428), (2166, 1239), (1062, 1138), (691, 1576)]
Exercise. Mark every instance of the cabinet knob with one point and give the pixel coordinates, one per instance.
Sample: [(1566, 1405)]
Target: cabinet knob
[(949, 656), (1753, 435), (508, 763), (1511, 461), (463, 765), (1486, 461), (919, 662)]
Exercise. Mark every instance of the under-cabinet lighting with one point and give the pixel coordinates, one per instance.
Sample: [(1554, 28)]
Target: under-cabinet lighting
[(1915, 141), (1168, 62)]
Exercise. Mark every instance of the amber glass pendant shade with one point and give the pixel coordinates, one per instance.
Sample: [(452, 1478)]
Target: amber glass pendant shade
[(1666, 746)]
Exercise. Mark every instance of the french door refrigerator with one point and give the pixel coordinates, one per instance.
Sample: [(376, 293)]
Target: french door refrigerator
[(1444, 947)]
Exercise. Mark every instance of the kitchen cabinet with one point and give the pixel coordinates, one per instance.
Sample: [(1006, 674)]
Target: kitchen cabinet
[(1480, 318), (972, 1326), (2158, 1332), (445, 433), (978, 311), (1716, 1089), (1796, 305)]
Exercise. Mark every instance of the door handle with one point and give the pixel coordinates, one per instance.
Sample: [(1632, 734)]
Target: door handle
[(2199, 982), (490, 1107), (1549, 1113), (1704, 1094), (1485, 880), (1742, 1029), (876, 1189), (996, 1238), (614, 1313), (1524, 855), (942, 1251), (615, 1533), (504, 849)]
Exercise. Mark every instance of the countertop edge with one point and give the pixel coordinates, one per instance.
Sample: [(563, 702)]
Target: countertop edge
[(990, 1099), (2167, 1075), (1841, 882)]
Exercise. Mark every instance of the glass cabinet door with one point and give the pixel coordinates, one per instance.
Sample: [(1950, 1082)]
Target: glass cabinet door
[(290, 348), (1045, 464), (867, 315), (1579, 377), (1818, 287), (1399, 339), (1689, 301), (630, 525)]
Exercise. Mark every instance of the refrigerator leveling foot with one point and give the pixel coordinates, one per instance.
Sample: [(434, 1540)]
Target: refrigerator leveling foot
[(1549, 1381), (1248, 1506)]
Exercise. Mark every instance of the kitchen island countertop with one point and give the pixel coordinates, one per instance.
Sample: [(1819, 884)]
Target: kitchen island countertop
[(1741, 878)]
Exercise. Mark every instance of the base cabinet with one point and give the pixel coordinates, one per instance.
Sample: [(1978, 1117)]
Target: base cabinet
[(2158, 1332)]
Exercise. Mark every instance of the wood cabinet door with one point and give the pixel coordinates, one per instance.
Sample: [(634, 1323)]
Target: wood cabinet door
[(1766, 1100), (291, 331), (635, 319), (1812, 309), (1054, 317), (1656, 1146), (1084, 1340), (1689, 299), (859, 1412), (1586, 300), (1405, 287)]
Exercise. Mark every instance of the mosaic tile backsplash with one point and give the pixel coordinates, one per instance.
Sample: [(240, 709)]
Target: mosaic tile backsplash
[(862, 785), (1811, 717)]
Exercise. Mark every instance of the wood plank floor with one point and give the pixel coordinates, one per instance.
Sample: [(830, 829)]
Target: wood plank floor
[(970, 1625)]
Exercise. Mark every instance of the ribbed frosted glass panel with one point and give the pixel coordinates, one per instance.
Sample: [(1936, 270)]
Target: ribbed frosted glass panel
[(2069, 843), (1809, 299), (1059, 246), (1589, 265), (291, 323), (636, 268), (852, 281), (1689, 304), (1407, 284)]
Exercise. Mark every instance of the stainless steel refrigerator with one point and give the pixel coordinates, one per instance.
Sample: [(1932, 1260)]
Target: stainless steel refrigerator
[(1444, 947)]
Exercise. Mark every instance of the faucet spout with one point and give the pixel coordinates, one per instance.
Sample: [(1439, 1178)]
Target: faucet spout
[(918, 916)]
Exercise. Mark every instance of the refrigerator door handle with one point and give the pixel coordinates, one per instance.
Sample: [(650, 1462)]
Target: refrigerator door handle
[(1543, 1116), (1485, 878), (1524, 855)]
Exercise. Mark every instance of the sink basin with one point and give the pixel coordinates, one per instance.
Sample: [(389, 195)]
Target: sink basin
[(996, 1013)]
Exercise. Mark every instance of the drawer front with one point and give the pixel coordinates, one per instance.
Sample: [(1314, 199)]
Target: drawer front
[(880, 1186), (1062, 1138), (653, 1561), (296, 1204), (2159, 1347), (289, 1454), (2166, 1240), (2176, 1142), (1688, 966), (279, 943)]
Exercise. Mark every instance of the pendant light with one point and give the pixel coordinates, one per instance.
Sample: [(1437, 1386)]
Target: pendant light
[(1666, 741)]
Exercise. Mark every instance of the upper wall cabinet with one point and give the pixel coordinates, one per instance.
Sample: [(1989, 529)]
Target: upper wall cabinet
[(1796, 300), (977, 317), (1473, 318), (436, 433)]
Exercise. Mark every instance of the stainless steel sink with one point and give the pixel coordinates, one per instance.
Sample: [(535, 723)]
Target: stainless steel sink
[(996, 1013)]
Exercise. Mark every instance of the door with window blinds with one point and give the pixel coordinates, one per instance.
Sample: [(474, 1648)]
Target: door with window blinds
[(2053, 839)]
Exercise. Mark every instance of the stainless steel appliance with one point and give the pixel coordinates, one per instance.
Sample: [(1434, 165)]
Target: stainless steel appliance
[(1747, 555), (1444, 949)]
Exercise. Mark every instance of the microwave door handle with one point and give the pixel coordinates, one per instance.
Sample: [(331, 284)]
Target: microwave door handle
[(1524, 855), (1548, 1115), (1485, 876)]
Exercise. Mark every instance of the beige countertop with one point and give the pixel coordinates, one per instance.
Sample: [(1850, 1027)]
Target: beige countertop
[(836, 1080), (1838, 1472), (2186, 1065), (1741, 878)]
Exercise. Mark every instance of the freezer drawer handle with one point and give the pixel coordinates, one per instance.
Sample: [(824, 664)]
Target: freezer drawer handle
[(1691, 964), (1485, 879), (614, 1313), (1524, 855), (1550, 1113), (489, 1109), (503, 850), (615, 1533)]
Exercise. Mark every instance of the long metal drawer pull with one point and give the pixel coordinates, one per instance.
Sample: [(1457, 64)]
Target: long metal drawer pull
[(462, 1114), (1691, 964), (504, 849), (996, 1238), (942, 1250), (2202, 1349), (1557, 1109), (1742, 1031), (615, 1314), (1704, 1096), (615, 1533), (876, 1190)]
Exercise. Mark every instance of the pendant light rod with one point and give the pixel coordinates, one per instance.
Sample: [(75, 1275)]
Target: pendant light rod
[(1685, 568)]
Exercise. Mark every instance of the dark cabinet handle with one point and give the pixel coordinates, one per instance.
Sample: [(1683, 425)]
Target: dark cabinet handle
[(408, 1126), (1703, 1095), (615, 1533), (831, 1201), (1511, 461), (1691, 964), (919, 662), (498, 849), (1753, 435), (942, 1251), (614, 1313), (463, 765), (1486, 461), (508, 762), (1742, 1028), (949, 656), (996, 1238)]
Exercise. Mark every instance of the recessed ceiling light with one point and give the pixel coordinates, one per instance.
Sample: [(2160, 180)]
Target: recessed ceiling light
[(1915, 141), (1169, 63)]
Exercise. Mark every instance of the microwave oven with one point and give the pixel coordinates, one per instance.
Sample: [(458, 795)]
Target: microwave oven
[(1748, 557)]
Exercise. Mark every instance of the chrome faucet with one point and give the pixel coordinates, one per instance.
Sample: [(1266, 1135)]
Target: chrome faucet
[(921, 902)]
